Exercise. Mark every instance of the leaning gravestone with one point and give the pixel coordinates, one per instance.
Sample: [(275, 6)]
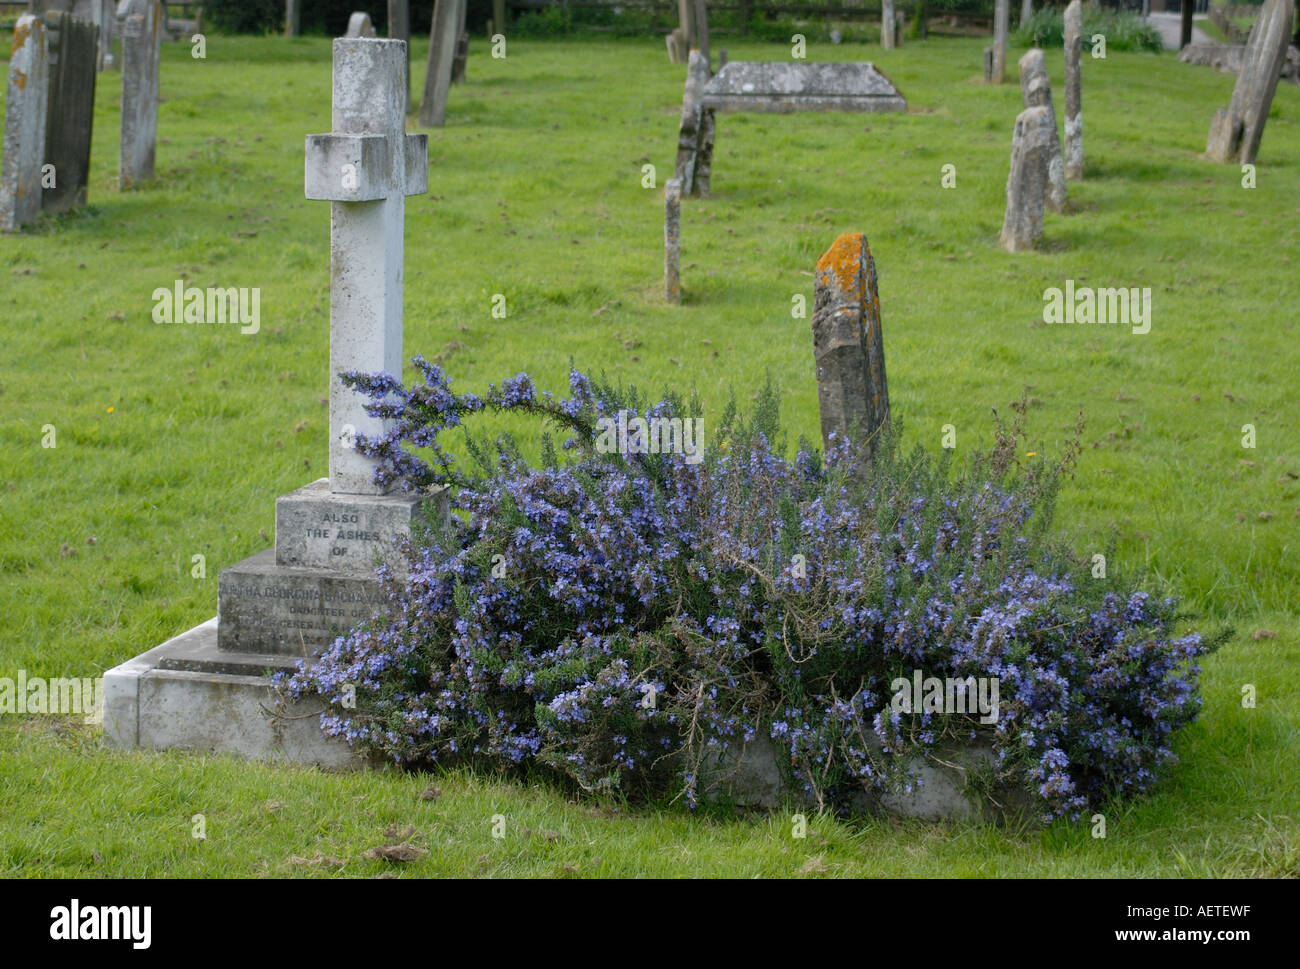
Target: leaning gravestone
[(1073, 90), (461, 55), (101, 13), (141, 52), (848, 345), (442, 52), (71, 112), (359, 25), (1036, 90), (1236, 131), (1027, 183), (779, 87), (206, 689), (25, 119)]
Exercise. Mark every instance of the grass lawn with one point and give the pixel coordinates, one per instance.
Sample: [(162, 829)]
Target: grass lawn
[(174, 440)]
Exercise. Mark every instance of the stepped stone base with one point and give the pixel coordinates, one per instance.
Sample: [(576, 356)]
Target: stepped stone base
[(188, 694)]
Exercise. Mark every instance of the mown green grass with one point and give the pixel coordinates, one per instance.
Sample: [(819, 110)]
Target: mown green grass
[(174, 440)]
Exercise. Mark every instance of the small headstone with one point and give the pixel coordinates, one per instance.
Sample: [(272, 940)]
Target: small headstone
[(1001, 14), (1236, 131), (988, 64), (1073, 90), (679, 47), (359, 25), (672, 240), (836, 36), (1031, 150), (25, 117), (888, 24), (692, 130), (71, 113), (442, 52), (141, 52), (292, 18), (722, 58), (848, 345), (1036, 90)]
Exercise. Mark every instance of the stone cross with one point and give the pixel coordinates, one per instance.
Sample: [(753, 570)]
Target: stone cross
[(1236, 131), (848, 345), (1001, 14), (25, 118), (1073, 91), (442, 52), (1031, 149), (1036, 90), (673, 240), (142, 22), (366, 167), (888, 24)]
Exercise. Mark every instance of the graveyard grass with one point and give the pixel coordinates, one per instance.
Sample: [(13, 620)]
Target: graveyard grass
[(175, 440)]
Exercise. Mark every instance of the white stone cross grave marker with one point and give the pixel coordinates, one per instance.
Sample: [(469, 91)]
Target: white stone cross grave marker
[(365, 167)]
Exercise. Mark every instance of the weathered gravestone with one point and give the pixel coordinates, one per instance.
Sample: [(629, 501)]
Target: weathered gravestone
[(695, 132), (778, 87), (206, 689), (888, 25), (1236, 131), (461, 55), (359, 25), (848, 345), (673, 240), (692, 32), (25, 119), (1027, 183), (1001, 15), (1036, 91), (292, 18), (101, 13), (442, 52), (141, 52), (71, 111), (1073, 90)]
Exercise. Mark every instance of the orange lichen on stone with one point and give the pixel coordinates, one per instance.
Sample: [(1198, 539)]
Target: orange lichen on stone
[(842, 261)]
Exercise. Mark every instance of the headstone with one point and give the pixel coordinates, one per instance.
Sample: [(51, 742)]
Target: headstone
[(206, 688), (359, 25), (700, 40), (71, 111), (692, 130), (1026, 11), (462, 46), (442, 51), (722, 58), (848, 345), (1073, 91), (1031, 150), (292, 18), (101, 13), (988, 64), (25, 117), (1001, 14), (499, 16), (141, 51), (399, 28), (888, 25), (673, 240), (1236, 131), (1036, 90), (678, 48)]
